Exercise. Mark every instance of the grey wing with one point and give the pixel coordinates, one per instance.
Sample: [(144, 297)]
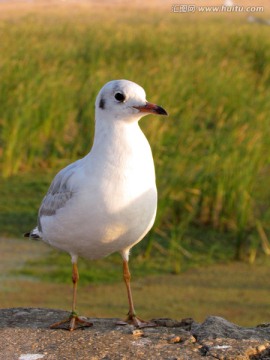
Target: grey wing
[(59, 193)]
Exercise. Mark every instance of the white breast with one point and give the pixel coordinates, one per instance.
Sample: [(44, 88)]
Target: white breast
[(115, 198)]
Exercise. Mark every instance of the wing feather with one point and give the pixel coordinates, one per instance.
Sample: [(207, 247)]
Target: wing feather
[(59, 193)]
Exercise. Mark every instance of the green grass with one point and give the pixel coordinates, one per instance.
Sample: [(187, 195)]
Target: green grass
[(211, 154), (158, 253)]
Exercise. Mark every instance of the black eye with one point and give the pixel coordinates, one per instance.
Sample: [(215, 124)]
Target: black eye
[(119, 97)]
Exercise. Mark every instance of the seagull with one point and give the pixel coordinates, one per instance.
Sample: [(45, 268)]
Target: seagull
[(105, 202)]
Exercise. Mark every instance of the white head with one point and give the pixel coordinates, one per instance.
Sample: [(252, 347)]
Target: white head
[(124, 100)]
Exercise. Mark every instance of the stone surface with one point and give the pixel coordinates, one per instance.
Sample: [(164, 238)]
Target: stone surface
[(25, 335), (216, 327)]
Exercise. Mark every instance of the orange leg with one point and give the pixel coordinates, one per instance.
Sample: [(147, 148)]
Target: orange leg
[(73, 322), (127, 277), (132, 318)]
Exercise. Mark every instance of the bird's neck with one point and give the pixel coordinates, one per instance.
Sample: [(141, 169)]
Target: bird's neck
[(113, 135), (120, 144), (121, 150)]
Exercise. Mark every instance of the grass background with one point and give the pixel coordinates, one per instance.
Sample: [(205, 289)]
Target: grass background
[(212, 74)]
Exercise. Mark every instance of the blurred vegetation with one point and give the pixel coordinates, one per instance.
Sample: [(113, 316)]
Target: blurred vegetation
[(211, 154)]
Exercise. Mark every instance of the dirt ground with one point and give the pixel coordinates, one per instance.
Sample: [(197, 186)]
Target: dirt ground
[(236, 291)]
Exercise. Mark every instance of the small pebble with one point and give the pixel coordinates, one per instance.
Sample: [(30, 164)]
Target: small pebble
[(137, 332), (192, 339), (174, 340), (31, 356), (261, 348), (221, 347)]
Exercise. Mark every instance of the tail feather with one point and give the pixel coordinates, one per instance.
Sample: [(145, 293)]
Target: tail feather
[(34, 234)]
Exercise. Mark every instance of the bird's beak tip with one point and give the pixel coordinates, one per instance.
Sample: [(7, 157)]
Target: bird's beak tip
[(151, 109)]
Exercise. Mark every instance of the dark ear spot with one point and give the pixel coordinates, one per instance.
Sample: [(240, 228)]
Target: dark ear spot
[(102, 103)]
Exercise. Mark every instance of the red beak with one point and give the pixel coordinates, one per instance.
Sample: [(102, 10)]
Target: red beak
[(151, 109)]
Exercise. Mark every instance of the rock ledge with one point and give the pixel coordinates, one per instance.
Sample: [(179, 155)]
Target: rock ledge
[(25, 335)]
